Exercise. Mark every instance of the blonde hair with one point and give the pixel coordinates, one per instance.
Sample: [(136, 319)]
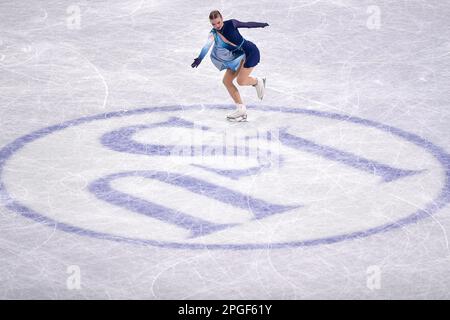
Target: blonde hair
[(214, 14)]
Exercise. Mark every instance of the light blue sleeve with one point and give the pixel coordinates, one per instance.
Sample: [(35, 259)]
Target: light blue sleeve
[(207, 46)]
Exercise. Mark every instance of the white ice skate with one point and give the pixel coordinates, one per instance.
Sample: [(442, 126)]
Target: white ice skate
[(260, 87), (239, 115)]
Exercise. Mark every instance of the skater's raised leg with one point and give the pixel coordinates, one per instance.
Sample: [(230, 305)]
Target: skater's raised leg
[(244, 79)]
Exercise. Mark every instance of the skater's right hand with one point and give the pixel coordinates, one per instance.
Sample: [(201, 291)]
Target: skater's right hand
[(196, 62)]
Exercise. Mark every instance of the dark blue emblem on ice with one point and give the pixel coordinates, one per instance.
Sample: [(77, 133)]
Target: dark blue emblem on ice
[(300, 180)]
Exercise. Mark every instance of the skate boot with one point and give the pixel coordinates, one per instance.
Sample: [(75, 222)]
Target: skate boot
[(260, 87), (239, 115)]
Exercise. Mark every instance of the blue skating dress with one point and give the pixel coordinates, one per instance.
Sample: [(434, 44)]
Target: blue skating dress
[(227, 56), (223, 55)]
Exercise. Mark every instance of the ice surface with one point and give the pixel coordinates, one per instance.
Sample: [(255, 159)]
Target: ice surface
[(348, 198)]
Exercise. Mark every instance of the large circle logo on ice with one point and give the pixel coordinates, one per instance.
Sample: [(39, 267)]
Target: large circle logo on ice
[(128, 176)]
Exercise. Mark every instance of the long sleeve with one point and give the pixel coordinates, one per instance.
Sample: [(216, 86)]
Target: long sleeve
[(207, 46), (239, 24)]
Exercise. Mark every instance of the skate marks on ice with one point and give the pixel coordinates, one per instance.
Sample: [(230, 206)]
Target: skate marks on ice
[(60, 72), (176, 177), (15, 50)]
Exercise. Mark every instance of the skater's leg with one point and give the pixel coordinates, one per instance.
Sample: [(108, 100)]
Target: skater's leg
[(228, 78), (244, 79), (241, 113), (232, 90)]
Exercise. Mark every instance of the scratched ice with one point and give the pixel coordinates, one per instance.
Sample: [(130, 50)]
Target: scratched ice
[(120, 177)]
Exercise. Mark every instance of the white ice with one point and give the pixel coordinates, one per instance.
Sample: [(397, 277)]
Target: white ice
[(384, 61)]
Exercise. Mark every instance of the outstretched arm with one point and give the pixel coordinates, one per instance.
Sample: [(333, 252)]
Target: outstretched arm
[(239, 24), (204, 51), (207, 46)]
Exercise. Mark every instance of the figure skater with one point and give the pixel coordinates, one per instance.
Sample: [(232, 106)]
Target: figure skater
[(235, 54)]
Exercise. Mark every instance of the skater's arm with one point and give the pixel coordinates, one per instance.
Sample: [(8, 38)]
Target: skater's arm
[(239, 24), (207, 46), (204, 51)]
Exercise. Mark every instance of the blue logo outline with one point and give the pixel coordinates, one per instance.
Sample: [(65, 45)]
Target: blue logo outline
[(429, 209)]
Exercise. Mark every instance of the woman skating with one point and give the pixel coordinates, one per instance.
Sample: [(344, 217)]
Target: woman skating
[(235, 54)]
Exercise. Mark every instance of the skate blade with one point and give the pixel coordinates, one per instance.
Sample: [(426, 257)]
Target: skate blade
[(264, 90), (239, 119)]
